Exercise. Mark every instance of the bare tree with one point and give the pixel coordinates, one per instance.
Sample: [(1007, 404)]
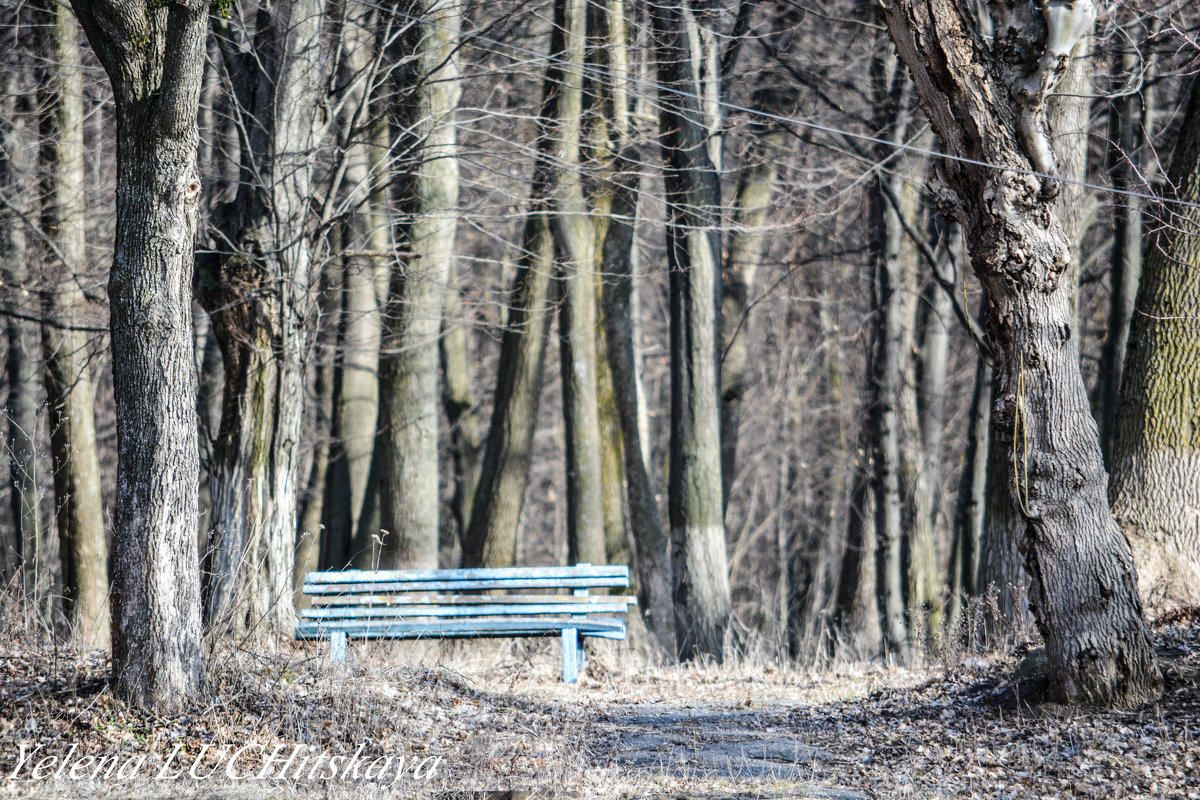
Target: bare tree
[(157, 654), (427, 191), (686, 55), (83, 548), (987, 102), (257, 287)]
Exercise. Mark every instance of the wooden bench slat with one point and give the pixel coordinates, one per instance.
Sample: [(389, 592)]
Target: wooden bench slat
[(496, 609), (579, 572), (438, 586), (433, 629), (333, 601)]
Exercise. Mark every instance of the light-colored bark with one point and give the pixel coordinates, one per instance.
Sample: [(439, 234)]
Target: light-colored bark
[(575, 239), (157, 652), (685, 54), (427, 194), (1156, 455), (356, 372), (79, 511), (990, 107), (260, 298)]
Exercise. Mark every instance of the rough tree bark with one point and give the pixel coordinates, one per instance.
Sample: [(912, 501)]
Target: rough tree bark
[(426, 191), (259, 295), (157, 653), (78, 509), (699, 562), (988, 104), (1066, 124), (1155, 490)]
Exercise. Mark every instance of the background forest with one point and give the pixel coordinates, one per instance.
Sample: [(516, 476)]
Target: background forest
[(530, 282)]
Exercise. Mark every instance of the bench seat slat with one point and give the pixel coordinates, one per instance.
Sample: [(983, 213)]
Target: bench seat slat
[(496, 609), (440, 586), (443, 629), (489, 574), (332, 601)]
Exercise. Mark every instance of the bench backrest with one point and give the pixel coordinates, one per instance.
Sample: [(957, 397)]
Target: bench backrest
[(457, 593)]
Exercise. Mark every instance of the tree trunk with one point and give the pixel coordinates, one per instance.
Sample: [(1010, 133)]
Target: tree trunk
[(699, 562), (260, 300), (356, 373), (157, 653), (20, 555), (427, 193), (990, 108), (1156, 455), (492, 536), (79, 511), (891, 332), (756, 184), (1067, 115), (574, 237), (619, 183), (458, 401), (1128, 127), (972, 494)]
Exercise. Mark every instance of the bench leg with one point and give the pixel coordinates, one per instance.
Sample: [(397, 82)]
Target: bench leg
[(337, 646), (570, 653)]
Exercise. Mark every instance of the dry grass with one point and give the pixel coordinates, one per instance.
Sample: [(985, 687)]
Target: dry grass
[(499, 719)]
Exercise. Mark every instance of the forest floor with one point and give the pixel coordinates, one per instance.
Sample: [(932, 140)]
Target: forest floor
[(459, 723)]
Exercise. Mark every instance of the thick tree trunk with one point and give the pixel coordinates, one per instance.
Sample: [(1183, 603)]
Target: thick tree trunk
[(20, 407), (699, 562), (1156, 455), (1067, 116), (1083, 586), (79, 511), (260, 301), (427, 193), (157, 653)]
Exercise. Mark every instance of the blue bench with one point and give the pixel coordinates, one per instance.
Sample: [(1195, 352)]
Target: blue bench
[(455, 604)]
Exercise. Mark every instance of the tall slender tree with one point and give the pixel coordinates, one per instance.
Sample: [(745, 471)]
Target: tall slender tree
[(83, 548), (20, 555), (686, 56)]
